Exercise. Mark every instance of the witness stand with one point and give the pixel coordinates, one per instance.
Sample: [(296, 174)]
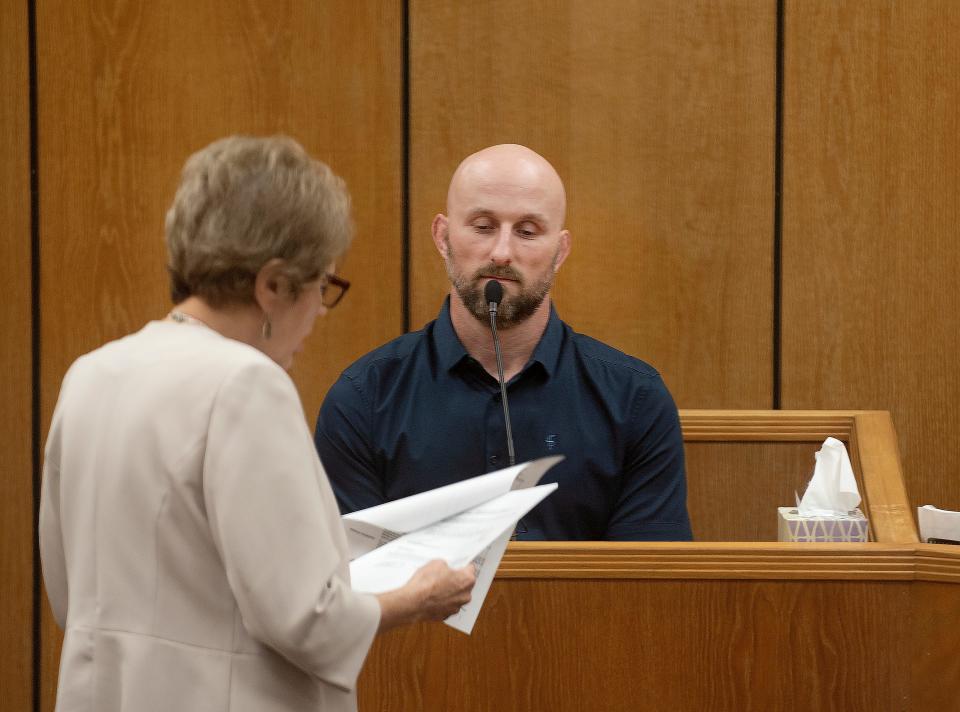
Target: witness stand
[(732, 621)]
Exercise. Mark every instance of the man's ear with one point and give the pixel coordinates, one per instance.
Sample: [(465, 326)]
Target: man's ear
[(440, 229), (271, 285), (564, 250)]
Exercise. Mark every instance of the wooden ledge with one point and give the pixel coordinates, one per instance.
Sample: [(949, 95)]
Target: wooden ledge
[(938, 562), (765, 425), (733, 560)]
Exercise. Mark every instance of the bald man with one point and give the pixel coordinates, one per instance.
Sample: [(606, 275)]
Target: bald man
[(424, 410)]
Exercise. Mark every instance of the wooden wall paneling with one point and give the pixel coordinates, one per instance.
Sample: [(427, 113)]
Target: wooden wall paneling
[(936, 618), (934, 661), (128, 91), (16, 386), (684, 645), (734, 488), (870, 213), (660, 118), (690, 626)]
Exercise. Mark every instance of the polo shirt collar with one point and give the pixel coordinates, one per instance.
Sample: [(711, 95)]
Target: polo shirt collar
[(547, 352), (450, 351)]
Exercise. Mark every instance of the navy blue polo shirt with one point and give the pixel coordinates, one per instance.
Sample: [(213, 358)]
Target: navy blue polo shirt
[(420, 412)]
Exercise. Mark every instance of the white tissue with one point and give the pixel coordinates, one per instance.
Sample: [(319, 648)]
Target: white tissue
[(833, 489)]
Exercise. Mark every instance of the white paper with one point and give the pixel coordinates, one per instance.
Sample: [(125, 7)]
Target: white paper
[(938, 526), (370, 528), (832, 491), (486, 564), (458, 540), (471, 520)]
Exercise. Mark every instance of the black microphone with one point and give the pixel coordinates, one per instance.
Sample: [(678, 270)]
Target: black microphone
[(493, 293)]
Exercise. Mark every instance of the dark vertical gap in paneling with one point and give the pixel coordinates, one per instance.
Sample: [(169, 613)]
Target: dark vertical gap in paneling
[(778, 215), (405, 166), (35, 338)]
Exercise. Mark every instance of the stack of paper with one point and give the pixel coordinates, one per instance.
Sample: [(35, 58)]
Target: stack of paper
[(467, 521), (938, 526)]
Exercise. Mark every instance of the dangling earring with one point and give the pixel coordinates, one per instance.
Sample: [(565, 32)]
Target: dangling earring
[(267, 329)]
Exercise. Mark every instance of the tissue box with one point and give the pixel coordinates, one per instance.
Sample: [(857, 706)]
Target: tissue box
[(792, 527)]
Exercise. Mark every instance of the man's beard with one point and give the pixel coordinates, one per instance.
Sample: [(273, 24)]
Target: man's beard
[(514, 309)]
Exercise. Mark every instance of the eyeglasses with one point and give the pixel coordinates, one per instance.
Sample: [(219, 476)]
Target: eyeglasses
[(333, 290)]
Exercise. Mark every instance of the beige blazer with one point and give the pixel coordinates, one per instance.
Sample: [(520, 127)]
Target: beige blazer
[(191, 545)]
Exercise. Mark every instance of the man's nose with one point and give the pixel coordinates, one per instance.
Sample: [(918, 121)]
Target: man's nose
[(501, 247)]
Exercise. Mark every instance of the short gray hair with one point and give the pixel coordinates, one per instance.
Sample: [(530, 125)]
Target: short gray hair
[(243, 201)]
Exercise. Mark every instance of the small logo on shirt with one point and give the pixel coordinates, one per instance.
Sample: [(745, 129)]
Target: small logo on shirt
[(551, 441)]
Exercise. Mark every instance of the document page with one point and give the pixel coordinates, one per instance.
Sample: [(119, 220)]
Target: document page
[(470, 520), (370, 528), (458, 540), (487, 563), (479, 534)]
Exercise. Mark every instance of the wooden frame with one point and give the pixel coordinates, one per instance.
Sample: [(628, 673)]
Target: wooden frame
[(870, 438)]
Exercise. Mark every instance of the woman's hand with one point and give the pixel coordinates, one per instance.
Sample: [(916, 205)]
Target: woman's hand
[(435, 592)]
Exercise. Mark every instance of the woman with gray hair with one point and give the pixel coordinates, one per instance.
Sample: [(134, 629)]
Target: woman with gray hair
[(191, 546)]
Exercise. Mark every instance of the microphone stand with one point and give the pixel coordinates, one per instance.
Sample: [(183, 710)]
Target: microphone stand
[(493, 293), (492, 305)]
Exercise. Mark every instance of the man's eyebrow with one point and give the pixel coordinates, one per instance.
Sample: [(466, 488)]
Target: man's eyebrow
[(479, 213), (534, 217), (485, 212)]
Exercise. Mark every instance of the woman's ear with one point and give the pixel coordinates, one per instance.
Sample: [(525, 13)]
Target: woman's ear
[(271, 285)]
